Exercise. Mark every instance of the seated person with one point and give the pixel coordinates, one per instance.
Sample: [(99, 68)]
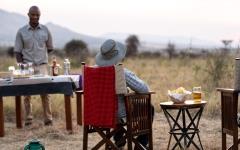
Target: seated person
[(112, 53)]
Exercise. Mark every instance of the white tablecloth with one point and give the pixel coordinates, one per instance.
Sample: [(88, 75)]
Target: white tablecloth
[(41, 79)]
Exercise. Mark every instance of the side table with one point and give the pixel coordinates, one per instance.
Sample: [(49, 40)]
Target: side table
[(183, 120)]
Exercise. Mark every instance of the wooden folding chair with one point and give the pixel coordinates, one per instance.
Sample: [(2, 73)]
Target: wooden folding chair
[(98, 79), (138, 122), (229, 109)]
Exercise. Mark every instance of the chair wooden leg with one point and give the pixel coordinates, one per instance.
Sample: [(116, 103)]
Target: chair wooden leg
[(150, 141), (224, 146), (129, 141), (85, 137), (235, 141), (107, 145)]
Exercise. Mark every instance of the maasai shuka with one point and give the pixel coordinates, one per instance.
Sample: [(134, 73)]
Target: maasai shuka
[(100, 100)]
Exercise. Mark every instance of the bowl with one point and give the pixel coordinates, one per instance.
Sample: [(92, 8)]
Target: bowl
[(178, 98)]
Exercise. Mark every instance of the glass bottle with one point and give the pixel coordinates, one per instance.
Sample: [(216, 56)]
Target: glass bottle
[(66, 65), (55, 67)]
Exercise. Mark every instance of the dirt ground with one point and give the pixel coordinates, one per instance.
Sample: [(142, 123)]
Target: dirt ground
[(57, 138)]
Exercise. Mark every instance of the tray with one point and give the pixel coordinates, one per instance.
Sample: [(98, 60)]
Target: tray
[(5, 74)]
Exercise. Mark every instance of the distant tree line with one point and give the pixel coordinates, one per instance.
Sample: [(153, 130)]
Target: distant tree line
[(78, 50)]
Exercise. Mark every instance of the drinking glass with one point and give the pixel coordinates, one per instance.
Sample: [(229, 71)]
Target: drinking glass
[(11, 69), (197, 93), (30, 68), (19, 70), (25, 69)]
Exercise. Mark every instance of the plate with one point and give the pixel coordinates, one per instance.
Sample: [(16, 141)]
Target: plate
[(21, 76), (38, 75)]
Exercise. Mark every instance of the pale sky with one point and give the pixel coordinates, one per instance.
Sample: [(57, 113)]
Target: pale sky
[(207, 19)]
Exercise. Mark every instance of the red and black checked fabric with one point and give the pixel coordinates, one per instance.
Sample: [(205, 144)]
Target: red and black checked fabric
[(100, 100)]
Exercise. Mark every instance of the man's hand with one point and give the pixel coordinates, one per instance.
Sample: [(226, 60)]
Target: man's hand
[(19, 57), (50, 50)]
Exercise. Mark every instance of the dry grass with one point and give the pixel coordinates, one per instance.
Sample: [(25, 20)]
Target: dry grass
[(160, 73), (56, 137)]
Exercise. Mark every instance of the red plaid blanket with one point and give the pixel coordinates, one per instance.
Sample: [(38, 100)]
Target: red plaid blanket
[(100, 100)]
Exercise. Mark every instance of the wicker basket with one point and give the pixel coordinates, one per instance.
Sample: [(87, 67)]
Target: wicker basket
[(178, 99)]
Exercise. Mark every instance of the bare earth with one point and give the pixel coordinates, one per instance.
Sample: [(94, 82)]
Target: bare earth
[(57, 138)]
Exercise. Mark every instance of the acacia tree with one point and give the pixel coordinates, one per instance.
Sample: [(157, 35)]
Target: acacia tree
[(77, 49), (227, 46), (132, 43)]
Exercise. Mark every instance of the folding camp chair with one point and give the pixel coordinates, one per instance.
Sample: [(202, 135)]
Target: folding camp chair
[(138, 121)]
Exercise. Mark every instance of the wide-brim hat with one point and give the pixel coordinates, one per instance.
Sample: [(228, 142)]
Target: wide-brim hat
[(111, 52)]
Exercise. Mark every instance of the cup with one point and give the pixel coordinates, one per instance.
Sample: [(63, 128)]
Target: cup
[(11, 69), (30, 68), (25, 69), (197, 94)]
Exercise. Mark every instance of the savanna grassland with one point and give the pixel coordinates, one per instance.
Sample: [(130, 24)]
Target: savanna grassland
[(161, 74)]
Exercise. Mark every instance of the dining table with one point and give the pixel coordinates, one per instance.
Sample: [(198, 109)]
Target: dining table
[(37, 85)]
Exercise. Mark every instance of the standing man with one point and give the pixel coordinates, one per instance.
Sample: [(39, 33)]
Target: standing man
[(32, 45)]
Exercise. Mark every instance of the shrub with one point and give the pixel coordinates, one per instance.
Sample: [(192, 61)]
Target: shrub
[(77, 50), (132, 43), (218, 67)]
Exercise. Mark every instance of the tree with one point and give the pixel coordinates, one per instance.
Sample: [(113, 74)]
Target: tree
[(132, 43), (77, 49), (227, 46), (170, 50), (10, 52)]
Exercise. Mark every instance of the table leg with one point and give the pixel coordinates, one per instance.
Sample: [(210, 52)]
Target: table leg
[(79, 108), (178, 128), (173, 128), (196, 117), (184, 128), (169, 141), (170, 125), (188, 129), (1, 118), (68, 112), (18, 108)]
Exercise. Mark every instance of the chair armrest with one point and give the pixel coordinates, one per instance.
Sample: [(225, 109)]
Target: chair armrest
[(227, 90), (128, 94), (134, 93), (79, 92)]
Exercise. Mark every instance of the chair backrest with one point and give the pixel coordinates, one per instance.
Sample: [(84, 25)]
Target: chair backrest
[(100, 100), (229, 108), (139, 112)]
